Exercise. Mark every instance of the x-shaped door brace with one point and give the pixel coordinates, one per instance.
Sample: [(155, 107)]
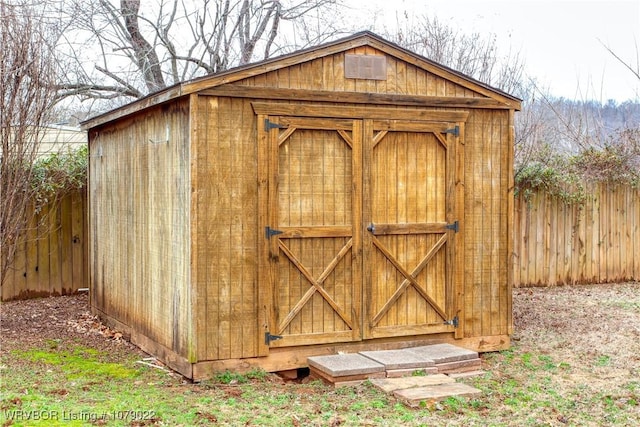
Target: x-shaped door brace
[(316, 285), (410, 279)]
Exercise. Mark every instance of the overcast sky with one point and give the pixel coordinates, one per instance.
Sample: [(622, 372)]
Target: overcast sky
[(560, 40)]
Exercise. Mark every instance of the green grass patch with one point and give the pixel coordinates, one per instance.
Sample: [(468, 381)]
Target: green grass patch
[(80, 362), (603, 360), (521, 387), (230, 377)]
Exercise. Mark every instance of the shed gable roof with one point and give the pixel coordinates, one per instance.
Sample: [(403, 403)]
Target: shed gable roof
[(357, 40)]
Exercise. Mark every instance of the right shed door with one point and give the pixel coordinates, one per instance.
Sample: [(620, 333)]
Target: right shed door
[(409, 211)]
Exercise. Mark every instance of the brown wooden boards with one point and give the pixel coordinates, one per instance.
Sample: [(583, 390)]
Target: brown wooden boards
[(359, 227), (411, 224), (311, 220)]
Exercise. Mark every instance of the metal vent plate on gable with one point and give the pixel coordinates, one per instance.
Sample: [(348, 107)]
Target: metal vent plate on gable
[(367, 67)]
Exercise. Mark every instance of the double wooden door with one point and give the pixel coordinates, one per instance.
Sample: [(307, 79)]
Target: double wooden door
[(359, 222)]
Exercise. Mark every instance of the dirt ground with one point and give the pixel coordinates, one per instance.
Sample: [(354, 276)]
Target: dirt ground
[(33, 323), (570, 322), (580, 323), (575, 360)]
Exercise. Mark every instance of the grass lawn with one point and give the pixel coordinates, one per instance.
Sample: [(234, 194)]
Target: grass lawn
[(575, 360)]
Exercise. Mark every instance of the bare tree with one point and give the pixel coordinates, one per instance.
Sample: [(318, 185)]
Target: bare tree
[(634, 69), (141, 48), (475, 55), (26, 83)]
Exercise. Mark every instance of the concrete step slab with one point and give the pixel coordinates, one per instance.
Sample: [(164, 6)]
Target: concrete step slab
[(413, 396), (389, 385), (399, 359), (342, 365), (444, 353)]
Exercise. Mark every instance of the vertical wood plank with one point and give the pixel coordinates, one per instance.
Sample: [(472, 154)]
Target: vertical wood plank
[(367, 246), (500, 221), (55, 249), (636, 231), (20, 266), (634, 213), (43, 250), (575, 243), (359, 137), (597, 239), (617, 225), (265, 278), (581, 241), (550, 261), (77, 239), (232, 116), (626, 246), (588, 238), (539, 260), (607, 255), (31, 267), (510, 214), (197, 302), (273, 217), (471, 247), (459, 239), (250, 212), (487, 187)]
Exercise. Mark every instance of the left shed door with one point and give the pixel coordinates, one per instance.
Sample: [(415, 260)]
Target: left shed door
[(312, 169)]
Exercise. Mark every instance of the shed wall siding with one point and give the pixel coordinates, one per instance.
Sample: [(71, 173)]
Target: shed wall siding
[(487, 172), (139, 222), (327, 74), (226, 230)]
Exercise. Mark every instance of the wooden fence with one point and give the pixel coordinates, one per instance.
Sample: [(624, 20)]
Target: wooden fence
[(598, 241), (52, 255), (554, 243)]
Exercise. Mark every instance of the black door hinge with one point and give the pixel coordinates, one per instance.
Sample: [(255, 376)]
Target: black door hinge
[(455, 131), (268, 125), (453, 322), (268, 338), (268, 232), (455, 226)]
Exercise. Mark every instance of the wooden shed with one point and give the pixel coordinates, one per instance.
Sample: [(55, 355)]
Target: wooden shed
[(353, 195)]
